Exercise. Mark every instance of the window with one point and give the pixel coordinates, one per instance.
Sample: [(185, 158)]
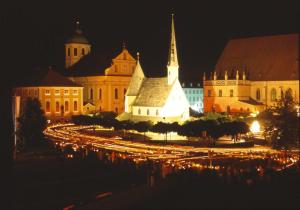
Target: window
[(75, 92), (100, 94), (82, 52), (75, 51), (116, 93), (69, 51), (75, 106), (47, 92), (35, 92), (148, 112), (47, 106), (66, 106), (220, 93), (56, 106), (116, 68), (116, 110), (258, 94), (209, 93), (125, 91), (57, 92), (139, 111), (228, 109), (231, 93), (157, 113), (66, 92), (91, 93), (273, 94)]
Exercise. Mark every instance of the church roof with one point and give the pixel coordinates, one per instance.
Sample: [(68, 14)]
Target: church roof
[(136, 81), (49, 78), (267, 58), (78, 36), (153, 92)]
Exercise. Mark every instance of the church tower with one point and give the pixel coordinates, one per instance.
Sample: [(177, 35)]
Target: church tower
[(76, 47), (172, 60)]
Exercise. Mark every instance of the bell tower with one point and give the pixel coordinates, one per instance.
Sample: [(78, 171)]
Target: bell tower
[(76, 47)]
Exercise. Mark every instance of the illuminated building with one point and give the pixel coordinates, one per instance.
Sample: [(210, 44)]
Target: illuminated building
[(252, 73), (60, 98), (105, 82), (157, 99), (194, 95)]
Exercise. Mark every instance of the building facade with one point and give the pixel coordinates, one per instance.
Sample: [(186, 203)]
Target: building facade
[(253, 73), (157, 99), (60, 98), (194, 95)]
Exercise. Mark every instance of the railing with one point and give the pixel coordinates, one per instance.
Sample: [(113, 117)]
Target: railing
[(226, 82)]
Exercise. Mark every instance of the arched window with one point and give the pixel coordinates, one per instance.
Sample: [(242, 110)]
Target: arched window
[(75, 106), (116, 93), (258, 94), (289, 90), (91, 93), (157, 113), (82, 51), (139, 111), (47, 106), (231, 93), (273, 94), (220, 93), (66, 106), (148, 112), (56, 106), (100, 93), (69, 52), (75, 51)]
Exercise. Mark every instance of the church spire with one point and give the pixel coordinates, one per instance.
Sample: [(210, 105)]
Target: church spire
[(173, 61)]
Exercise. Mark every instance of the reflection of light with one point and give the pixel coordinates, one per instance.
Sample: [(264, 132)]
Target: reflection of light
[(255, 127)]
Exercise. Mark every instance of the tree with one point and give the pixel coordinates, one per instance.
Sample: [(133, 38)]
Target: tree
[(281, 122), (32, 123), (143, 126), (162, 127)]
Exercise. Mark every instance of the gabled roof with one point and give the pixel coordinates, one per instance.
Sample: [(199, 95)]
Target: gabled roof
[(49, 78), (263, 58), (153, 92), (136, 81)]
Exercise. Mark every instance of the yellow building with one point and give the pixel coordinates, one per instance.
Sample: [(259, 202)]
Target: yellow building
[(105, 81), (60, 98), (252, 73)]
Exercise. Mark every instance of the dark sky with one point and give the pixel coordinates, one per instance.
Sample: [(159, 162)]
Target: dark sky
[(36, 31)]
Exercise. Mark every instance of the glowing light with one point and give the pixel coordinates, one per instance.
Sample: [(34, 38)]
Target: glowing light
[(255, 127)]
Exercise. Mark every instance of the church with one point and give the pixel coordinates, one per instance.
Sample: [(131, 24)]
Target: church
[(253, 73), (157, 99)]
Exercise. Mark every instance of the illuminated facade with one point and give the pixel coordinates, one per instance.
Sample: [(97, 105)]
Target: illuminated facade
[(252, 73), (194, 95), (60, 98), (157, 99), (105, 83)]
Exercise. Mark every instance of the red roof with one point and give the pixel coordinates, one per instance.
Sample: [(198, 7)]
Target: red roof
[(268, 58)]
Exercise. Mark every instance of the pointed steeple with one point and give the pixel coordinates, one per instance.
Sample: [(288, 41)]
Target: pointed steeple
[(173, 60)]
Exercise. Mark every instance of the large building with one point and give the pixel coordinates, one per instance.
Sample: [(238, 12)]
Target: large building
[(252, 73), (157, 99), (194, 95), (105, 82), (60, 98)]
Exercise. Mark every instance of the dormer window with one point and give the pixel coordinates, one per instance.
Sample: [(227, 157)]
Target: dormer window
[(75, 51), (82, 52)]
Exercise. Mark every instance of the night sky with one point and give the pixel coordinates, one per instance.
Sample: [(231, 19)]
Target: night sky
[(38, 30)]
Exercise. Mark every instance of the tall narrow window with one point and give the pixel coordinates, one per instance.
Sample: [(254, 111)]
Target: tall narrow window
[(116, 110), (273, 94), (209, 93), (69, 52), (148, 112), (47, 106), (258, 94), (139, 111), (220, 93), (100, 94), (56, 106), (75, 51), (66, 106), (75, 106), (157, 113), (91, 93), (116, 93), (82, 51), (231, 93)]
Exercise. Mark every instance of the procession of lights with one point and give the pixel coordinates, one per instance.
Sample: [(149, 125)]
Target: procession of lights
[(176, 156)]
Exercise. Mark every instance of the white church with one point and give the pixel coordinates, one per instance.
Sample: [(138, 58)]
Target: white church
[(157, 99)]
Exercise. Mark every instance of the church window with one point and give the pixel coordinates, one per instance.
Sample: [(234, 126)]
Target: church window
[(148, 112), (139, 111), (82, 51), (289, 90), (47, 92), (220, 93), (91, 93), (157, 113), (66, 106), (116, 110), (66, 92), (100, 108), (75, 106), (100, 94), (116, 93), (75, 92), (231, 93), (75, 51), (47, 106), (56, 106), (209, 93), (57, 92), (69, 52), (273, 94), (258, 94)]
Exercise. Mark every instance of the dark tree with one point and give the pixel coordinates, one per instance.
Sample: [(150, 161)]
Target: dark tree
[(143, 127), (32, 123)]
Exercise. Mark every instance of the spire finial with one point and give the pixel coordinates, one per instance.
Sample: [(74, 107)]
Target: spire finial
[(138, 56)]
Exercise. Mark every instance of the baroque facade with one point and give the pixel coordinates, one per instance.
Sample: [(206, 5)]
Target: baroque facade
[(253, 73)]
